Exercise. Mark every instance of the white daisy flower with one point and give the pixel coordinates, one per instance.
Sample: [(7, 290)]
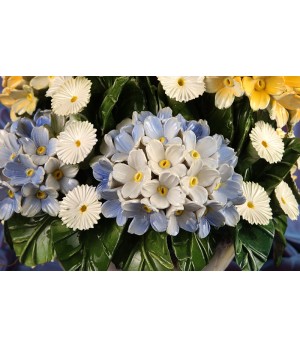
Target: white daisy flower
[(267, 142), (132, 175), (80, 209), (72, 96), (55, 83), (163, 159), (183, 88), (76, 142), (256, 210), (287, 200), (164, 192)]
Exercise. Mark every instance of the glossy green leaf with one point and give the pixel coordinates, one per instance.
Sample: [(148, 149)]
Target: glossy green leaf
[(253, 244), (109, 102), (150, 253), (150, 93), (288, 179), (31, 238), (192, 252), (90, 250), (280, 223)]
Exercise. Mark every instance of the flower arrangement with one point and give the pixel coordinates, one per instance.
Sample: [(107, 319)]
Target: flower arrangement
[(148, 173)]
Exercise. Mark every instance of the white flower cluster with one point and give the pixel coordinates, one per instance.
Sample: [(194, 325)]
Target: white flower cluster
[(169, 173)]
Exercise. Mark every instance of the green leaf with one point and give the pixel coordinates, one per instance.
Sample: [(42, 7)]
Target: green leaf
[(31, 238), (253, 244), (150, 93), (192, 252), (90, 250), (280, 223), (269, 176), (109, 101), (288, 179), (150, 253)]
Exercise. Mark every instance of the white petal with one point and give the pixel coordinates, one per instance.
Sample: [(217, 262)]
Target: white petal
[(175, 154), (173, 227), (150, 188), (137, 159), (155, 151), (176, 196), (123, 173), (159, 201), (131, 189)]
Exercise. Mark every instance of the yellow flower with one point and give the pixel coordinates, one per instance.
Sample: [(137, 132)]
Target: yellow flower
[(289, 100), (278, 112), (10, 83), (226, 89), (293, 82), (41, 82), (294, 116), (25, 101), (259, 89)]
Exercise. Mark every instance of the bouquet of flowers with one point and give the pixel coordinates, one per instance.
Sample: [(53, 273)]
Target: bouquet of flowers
[(148, 173)]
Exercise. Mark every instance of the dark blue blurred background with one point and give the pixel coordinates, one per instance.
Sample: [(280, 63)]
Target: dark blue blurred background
[(290, 262)]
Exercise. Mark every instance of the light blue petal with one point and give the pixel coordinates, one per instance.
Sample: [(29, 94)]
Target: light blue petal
[(121, 218), (16, 172), (171, 128), (183, 122), (31, 206), (40, 136), (29, 190), (227, 155), (51, 148), (110, 209), (124, 142), (188, 221), (153, 127), (102, 170), (50, 206), (201, 129), (67, 184), (164, 114), (11, 142), (38, 177), (23, 127), (26, 161), (28, 146), (137, 132), (215, 218), (6, 209), (204, 228), (39, 160), (139, 225), (232, 217), (159, 221), (4, 156)]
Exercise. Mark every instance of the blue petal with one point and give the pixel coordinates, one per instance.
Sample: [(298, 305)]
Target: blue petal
[(23, 127), (29, 190), (215, 218), (4, 156), (171, 128), (204, 228), (50, 206), (153, 127), (26, 161), (232, 217), (51, 148), (124, 142), (187, 221), (6, 209), (164, 114), (4, 117), (110, 209), (28, 146), (102, 169), (40, 160), (200, 130), (110, 194), (137, 132), (16, 172), (38, 177), (40, 136), (67, 184), (159, 221), (121, 218), (31, 206), (139, 225)]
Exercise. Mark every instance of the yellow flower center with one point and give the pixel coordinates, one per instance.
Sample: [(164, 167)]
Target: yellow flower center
[(195, 154), (41, 150), (83, 208), (250, 205), (29, 97), (178, 212), (77, 143), (73, 99), (217, 186), (260, 85), (228, 82), (165, 164), (10, 194), (12, 156), (58, 174), (162, 140), (283, 200), (29, 172), (41, 195), (138, 177), (147, 209), (193, 181), (162, 190), (180, 82), (264, 144)]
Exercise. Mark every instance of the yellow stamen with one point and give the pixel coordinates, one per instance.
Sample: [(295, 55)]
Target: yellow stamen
[(178, 212), (29, 172), (13, 156), (58, 174), (29, 97), (10, 194), (250, 205), (180, 82), (283, 200), (193, 181), (165, 164), (73, 99), (195, 154), (162, 140), (41, 195), (77, 143), (228, 82), (260, 85), (147, 209), (41, 150), (217, 186), (138, 177), (264, 143), (162, 190), (83, 208)]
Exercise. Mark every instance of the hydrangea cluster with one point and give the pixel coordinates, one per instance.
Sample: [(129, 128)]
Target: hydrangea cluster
[(168, 173), (31, 175)]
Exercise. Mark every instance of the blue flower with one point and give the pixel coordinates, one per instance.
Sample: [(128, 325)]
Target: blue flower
[(210, 215), (183, 217), (200, 128), (39, 198), (124, 143), (39, 146), (22, 127), (10, 200), (42, 118), (22, 171), (144, 215), (10, 148), (4, 117), (112, 207), (232, 217), (102, 172)]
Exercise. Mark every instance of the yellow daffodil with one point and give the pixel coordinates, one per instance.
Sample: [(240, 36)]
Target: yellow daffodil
[(226, 89), (10, 83), (289, 100), (293, 82), (25, 101), (294, 116), (259, 89), (278, 112)]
